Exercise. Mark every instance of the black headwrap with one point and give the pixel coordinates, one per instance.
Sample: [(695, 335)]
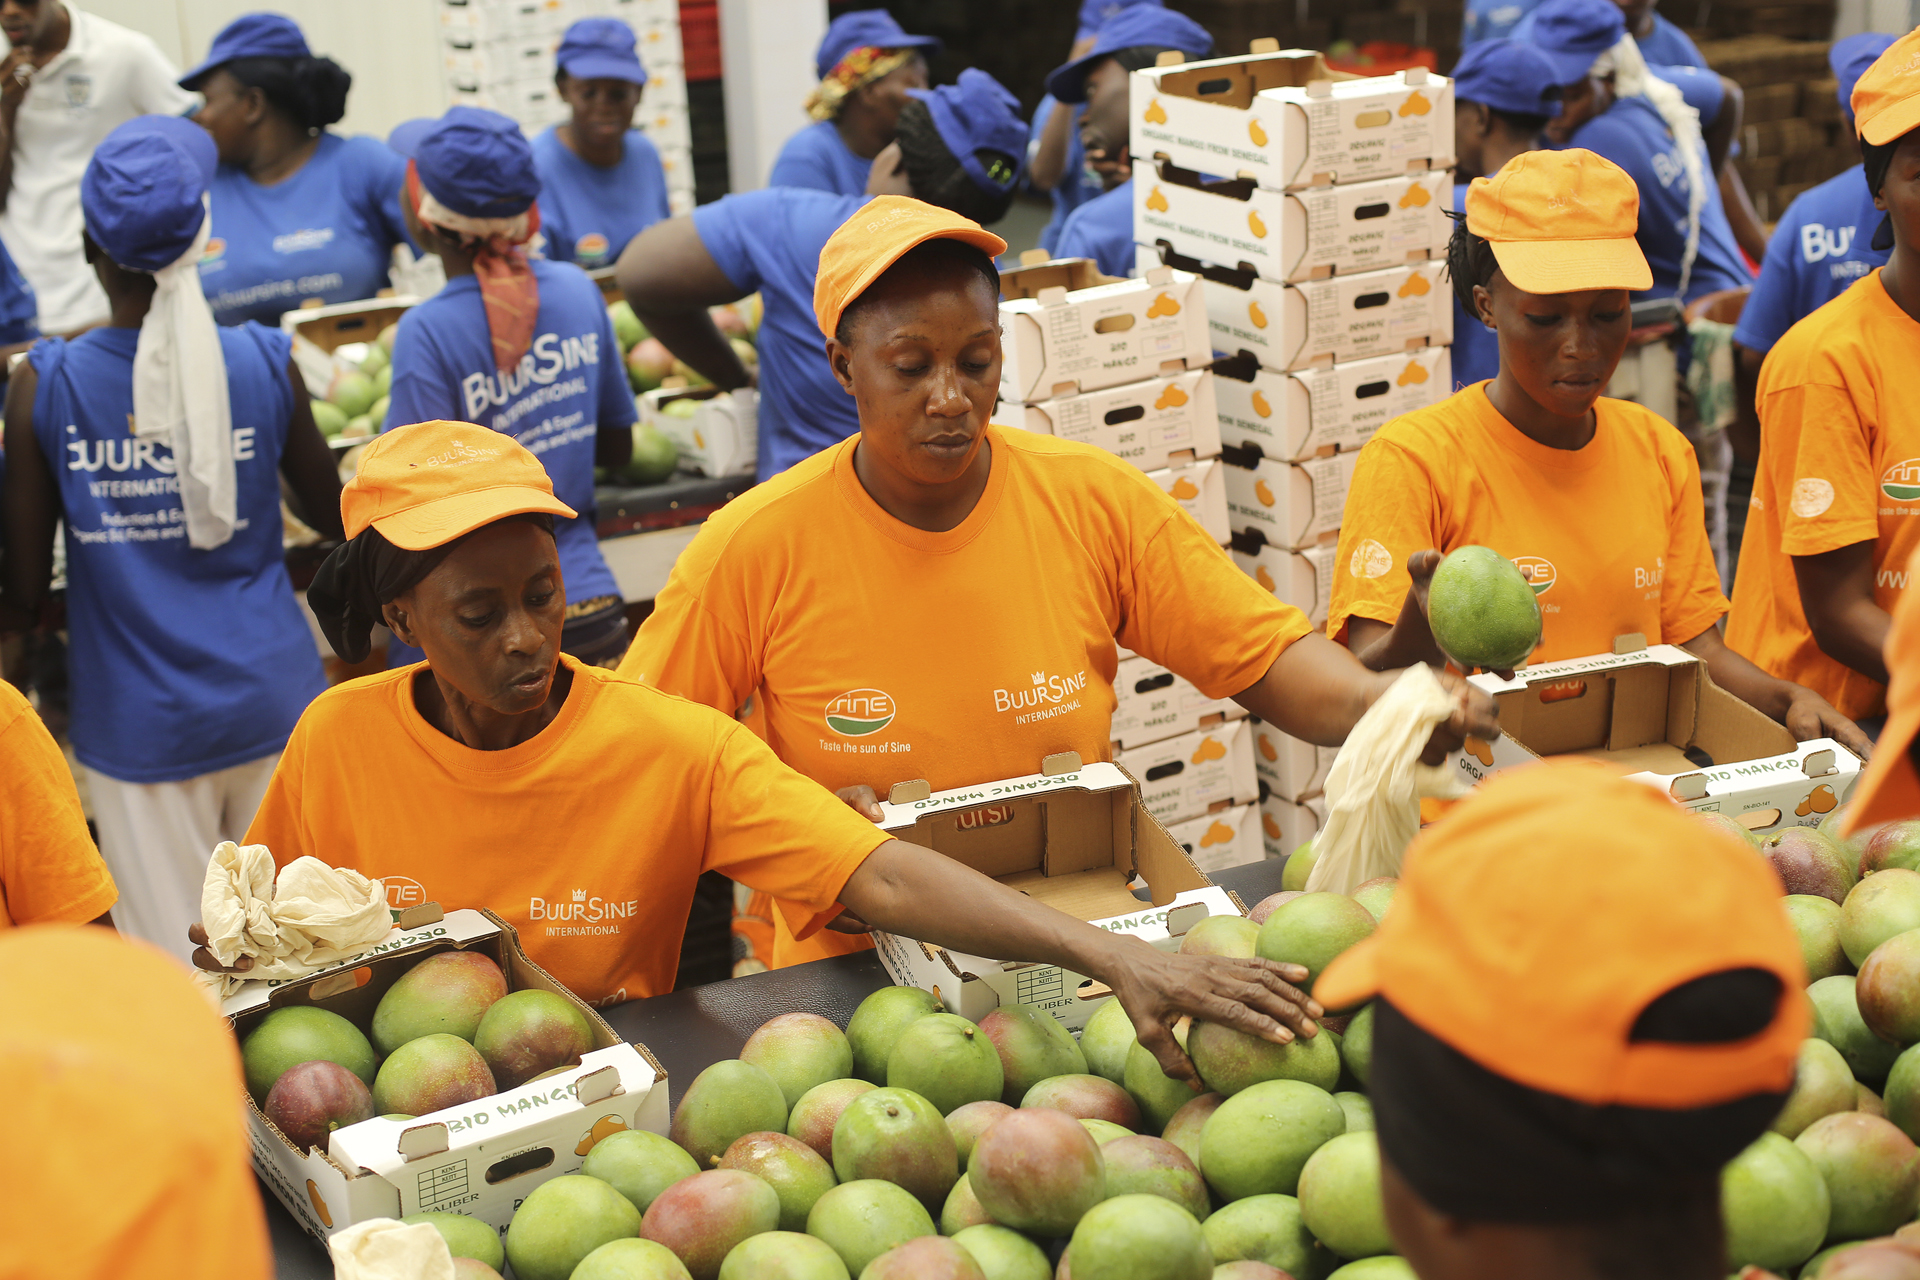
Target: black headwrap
[(367, 571), (1481, 1147)]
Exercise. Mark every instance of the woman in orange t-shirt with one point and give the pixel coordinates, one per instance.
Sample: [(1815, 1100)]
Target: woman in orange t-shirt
[(1597, 500), (582, 807)]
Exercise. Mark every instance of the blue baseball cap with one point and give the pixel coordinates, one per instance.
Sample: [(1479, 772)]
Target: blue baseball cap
[(1507, 76), (1095, 14), (1572, 33), (406, 135), (1850, 59), (251, 35), (477, 163), (978, 114), (864, 29), (600, 49), (144, 189), (1140, 26)]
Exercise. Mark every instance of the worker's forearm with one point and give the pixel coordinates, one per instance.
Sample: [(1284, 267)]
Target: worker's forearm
[(8, 112), (1315, 691), (1740, 677), (1409, 640), (1854, 634), (1049, 162), (694, 338), (1747, 227)]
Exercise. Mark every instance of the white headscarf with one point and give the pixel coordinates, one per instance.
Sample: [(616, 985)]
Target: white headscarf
[(180, 394), (1632, 78)]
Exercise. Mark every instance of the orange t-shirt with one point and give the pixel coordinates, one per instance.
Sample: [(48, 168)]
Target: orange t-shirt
[(158, 1184), (587, 838), (1611, 536), (1839, 464), (50, 871), (885, 653)]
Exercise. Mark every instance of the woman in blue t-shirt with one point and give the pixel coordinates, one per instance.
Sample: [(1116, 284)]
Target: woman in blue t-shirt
[(867, 67), (299, 213), (601, 182), (160, 441)]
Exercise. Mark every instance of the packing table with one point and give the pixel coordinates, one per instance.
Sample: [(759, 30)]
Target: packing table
[(687, 1030)]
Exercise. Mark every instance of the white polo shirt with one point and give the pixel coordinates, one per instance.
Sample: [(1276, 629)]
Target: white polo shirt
[(105, 76)]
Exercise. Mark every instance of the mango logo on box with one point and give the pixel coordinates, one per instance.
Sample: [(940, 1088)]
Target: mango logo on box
[(1901, 481), (1218, 833), (1255, 132), (1415, 287), (1265, 579), (698, 443), (1210, 750), (1268, 825), (1171, 398), (1156, 200), (1164, 305), (1413, 375), (859, 712), (1264, 492), (1370, 560), (1260, 405), (319, 1205), (1820, 800), (1415, 105), (1256, 226), (1540, 574), (1155, 113), (1479, 751), (1266, 747), (1255, 314), (1184, 490), (604, 1127), (1415, 198)]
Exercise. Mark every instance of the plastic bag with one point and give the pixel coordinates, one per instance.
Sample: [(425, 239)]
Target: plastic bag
[(314, 917), (1377, 782), (384, 1249)]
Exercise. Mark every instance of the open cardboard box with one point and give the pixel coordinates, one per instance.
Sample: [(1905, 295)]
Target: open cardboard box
[(1285, 120), (482, 1158), (1294, 416), (1073, 836), (1653, 714), (1295, 235), (1287, 504), (1151, 423), (1062, 342), (1037, 271), (1201, 490), (319, 331), (1152, 704), (720, 439), (1303, 578)]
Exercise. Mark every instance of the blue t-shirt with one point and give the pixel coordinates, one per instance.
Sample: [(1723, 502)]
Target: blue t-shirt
[(1633, 136), (1102, 229), (1699, 86), (17, 304), (816, 158), (1078, 183), (1476, 348), (569, 387), (1823, 243), (1492, 19), (770, 240), (184, 661), (588, 213), (1667, 46), (327, 232)]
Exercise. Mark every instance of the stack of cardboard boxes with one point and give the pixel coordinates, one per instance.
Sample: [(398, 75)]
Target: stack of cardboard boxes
[(1792, 134), (1123, 365), (1313, 207), (499, 54)]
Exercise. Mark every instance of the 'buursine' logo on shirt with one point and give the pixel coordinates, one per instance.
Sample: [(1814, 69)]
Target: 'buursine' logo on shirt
[(303, 240), (1539, 573), (859, 712), (1901, 481), (592, 245), (1042, 690)]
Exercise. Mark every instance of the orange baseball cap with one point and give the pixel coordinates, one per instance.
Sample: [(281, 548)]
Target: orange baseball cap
[(1886, 99), (1539, 918), (425, 485), (1560, 221), (878, 235), (1890, 787)]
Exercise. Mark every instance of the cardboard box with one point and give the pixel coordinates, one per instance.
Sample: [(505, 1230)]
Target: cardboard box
[(1330, 321), (1656, 716), (1201, 488), (481, 1158), (1285, 826), (1196, 773), (1230, 838), (1297, 235), (720, 439), (1303, 578), (1285, 121), (1062, 343), (1293, 416), (1152, 703), (1289, 504), (1293, 770), (1150, 424), (1074, 837)]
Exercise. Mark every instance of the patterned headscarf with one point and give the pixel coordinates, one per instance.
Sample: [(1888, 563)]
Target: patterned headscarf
[(855, 71), (508, 291)]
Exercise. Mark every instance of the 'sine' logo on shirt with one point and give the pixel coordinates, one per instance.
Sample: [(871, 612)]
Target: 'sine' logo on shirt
[(859, 712), (1539, 573), (592, 245), (1901, 481)]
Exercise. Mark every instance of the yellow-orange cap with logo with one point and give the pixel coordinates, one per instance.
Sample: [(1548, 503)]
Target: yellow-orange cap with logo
[(1560, 221), (1890, 787), (878, 235), (1538, 919), (425, 485), (1886, 99)]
